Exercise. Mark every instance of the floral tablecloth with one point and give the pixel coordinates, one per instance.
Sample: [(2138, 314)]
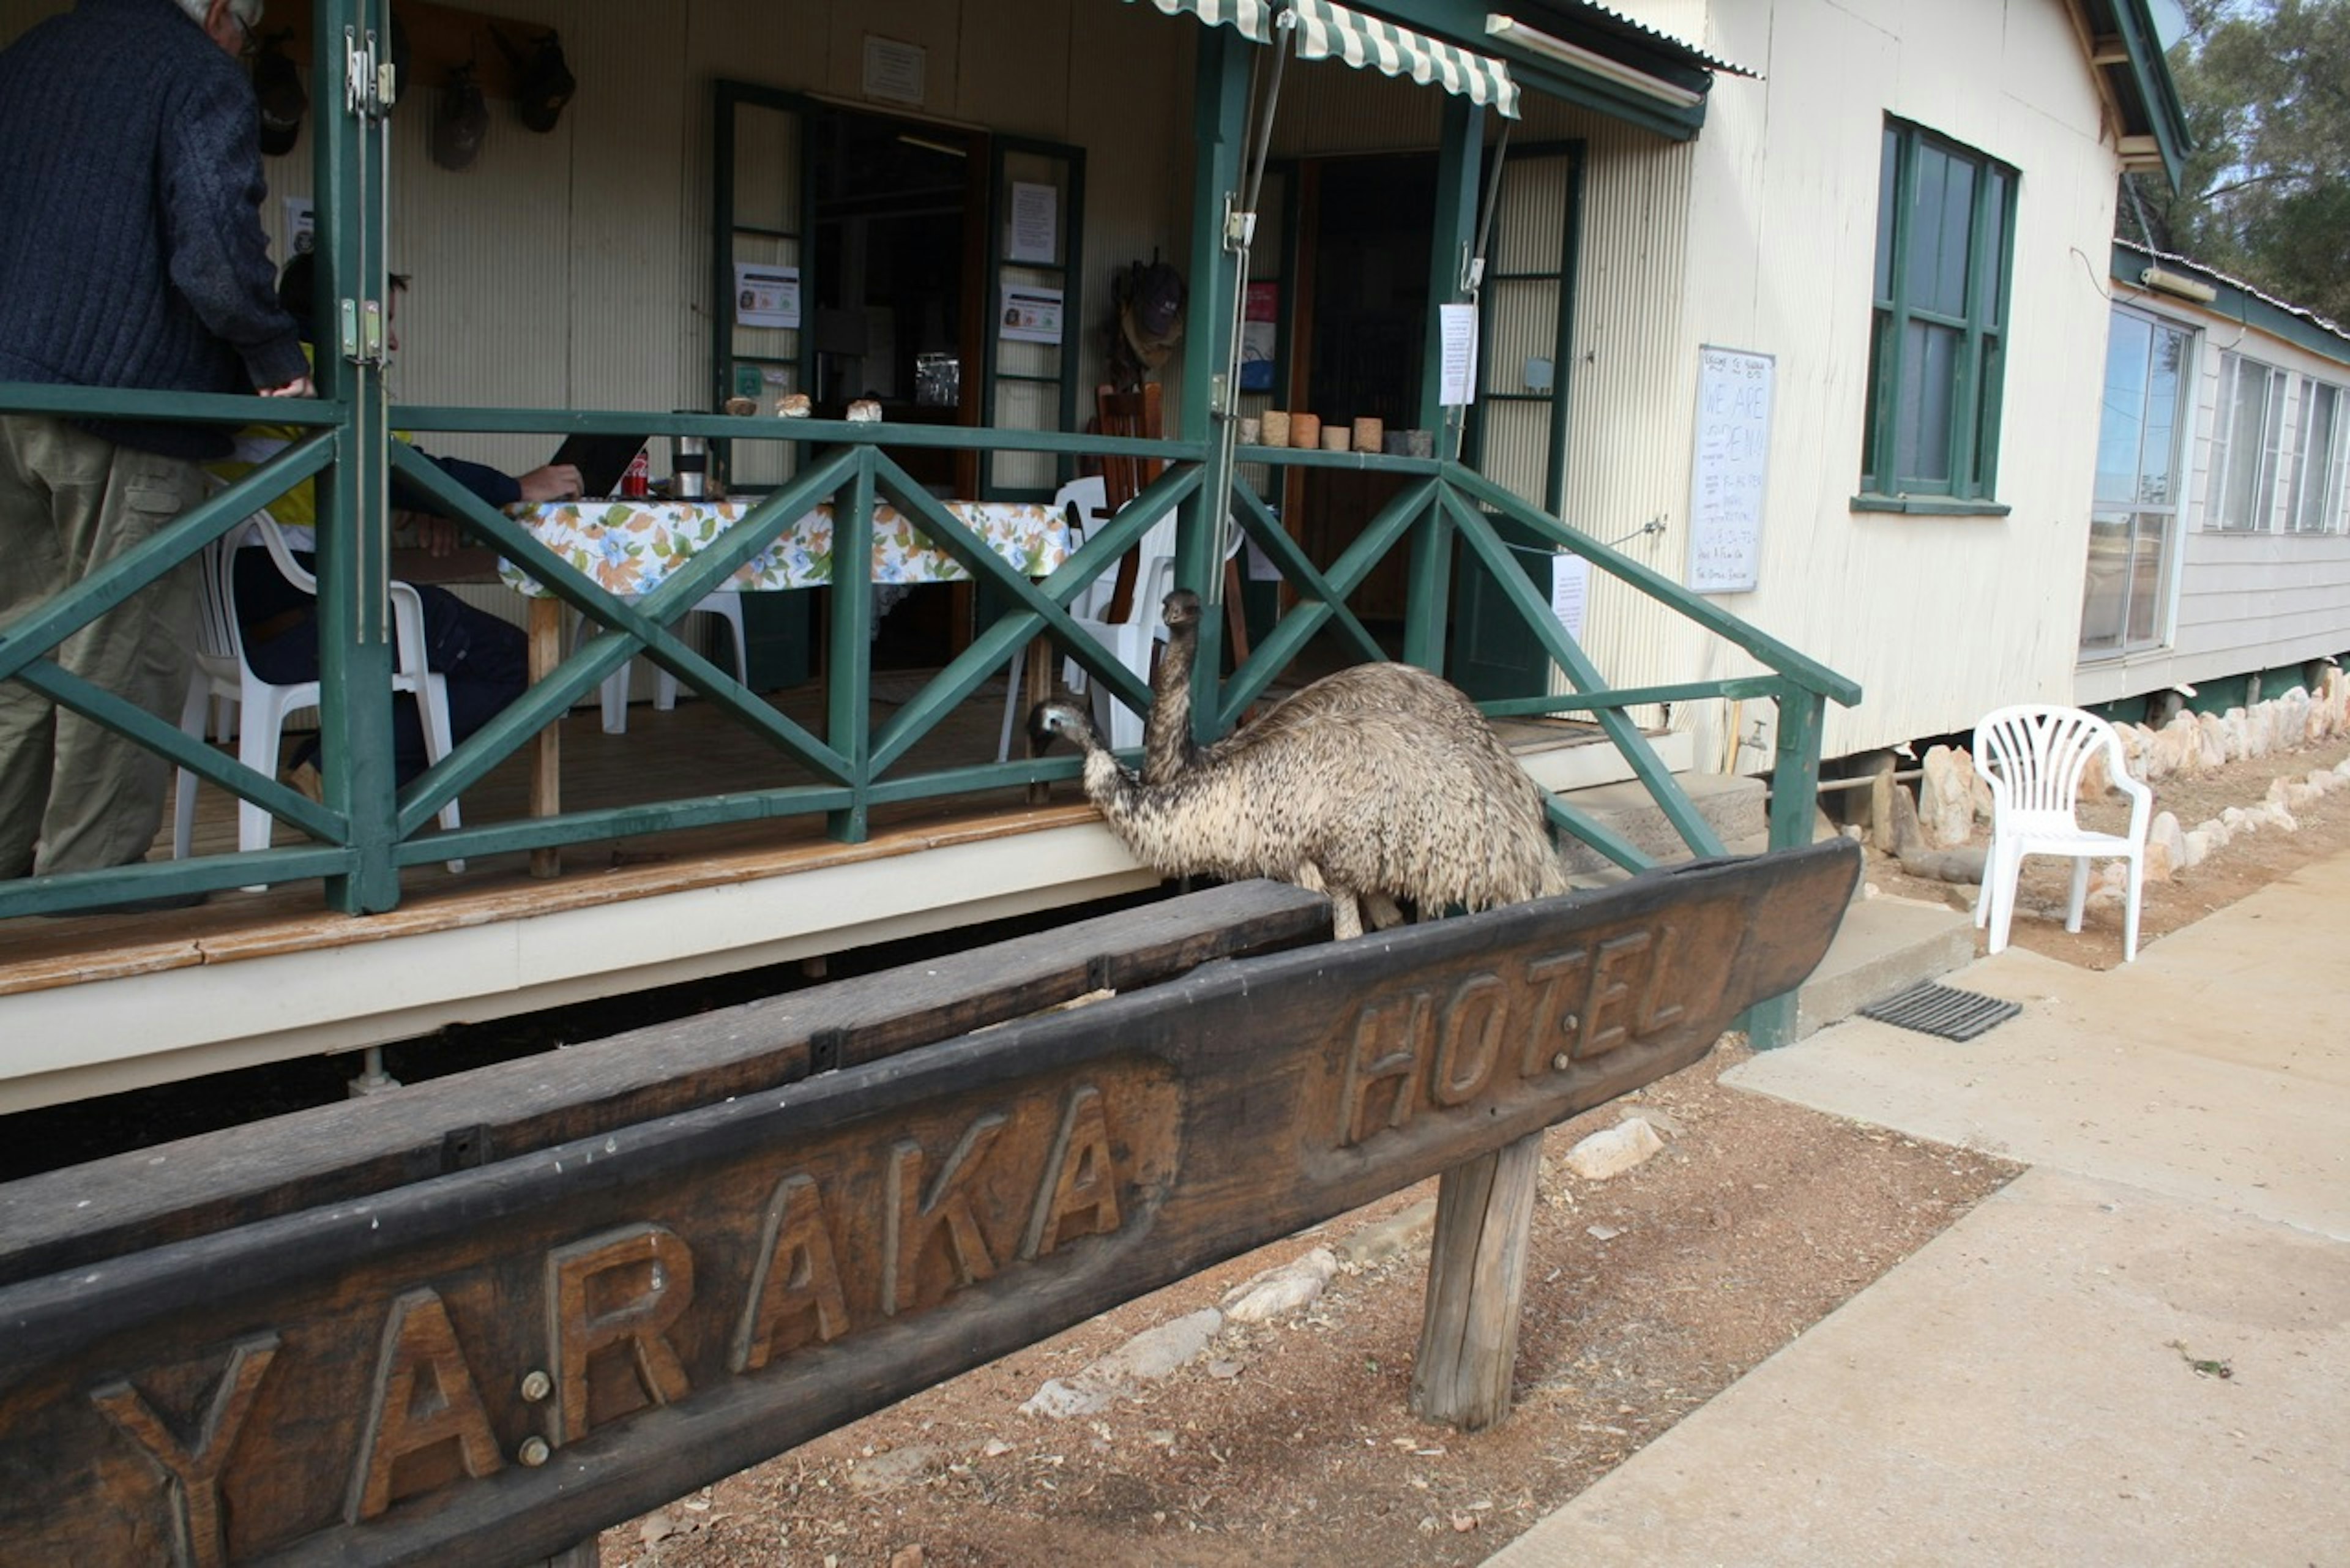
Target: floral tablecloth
[(628, 548)]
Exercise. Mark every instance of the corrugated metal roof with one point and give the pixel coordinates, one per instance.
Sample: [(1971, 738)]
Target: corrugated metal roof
[(1614, 24), (2169, 262)]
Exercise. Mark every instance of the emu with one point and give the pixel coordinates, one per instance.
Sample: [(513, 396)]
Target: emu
[(1375, 784)]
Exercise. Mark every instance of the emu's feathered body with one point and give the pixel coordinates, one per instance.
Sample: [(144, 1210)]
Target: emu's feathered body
[(1379, 783)]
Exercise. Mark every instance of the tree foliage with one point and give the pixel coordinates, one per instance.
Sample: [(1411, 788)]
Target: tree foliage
[(2265, 194)]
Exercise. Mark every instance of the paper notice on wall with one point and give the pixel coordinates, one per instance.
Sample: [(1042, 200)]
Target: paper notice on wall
[(766, 296), (894, 70), (1570, 590), (1036, 223), (301, 226), (1459, 328), (1031, 314)]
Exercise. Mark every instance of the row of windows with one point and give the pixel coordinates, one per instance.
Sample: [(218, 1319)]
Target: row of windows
[(2279, 445)]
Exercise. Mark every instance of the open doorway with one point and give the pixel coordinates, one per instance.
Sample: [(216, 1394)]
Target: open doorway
[(897, 220), (1364, 228)]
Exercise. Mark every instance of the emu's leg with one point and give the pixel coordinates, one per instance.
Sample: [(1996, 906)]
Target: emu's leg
[(1345, 915), (1381, 910)]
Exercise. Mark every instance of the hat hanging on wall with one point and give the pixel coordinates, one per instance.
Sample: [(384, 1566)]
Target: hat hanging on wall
[(1149, 297), (461, 121), (278, 87), (543, 83)]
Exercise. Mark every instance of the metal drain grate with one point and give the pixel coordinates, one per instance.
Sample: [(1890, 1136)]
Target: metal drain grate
[(1943, 1010)]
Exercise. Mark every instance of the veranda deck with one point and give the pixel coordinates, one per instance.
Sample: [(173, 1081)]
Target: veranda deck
[(96, 1003)]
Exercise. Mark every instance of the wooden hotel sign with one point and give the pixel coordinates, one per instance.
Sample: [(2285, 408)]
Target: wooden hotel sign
[(494, 1362)]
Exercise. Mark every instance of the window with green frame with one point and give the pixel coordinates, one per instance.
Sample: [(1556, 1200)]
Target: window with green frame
[(1945, 237)]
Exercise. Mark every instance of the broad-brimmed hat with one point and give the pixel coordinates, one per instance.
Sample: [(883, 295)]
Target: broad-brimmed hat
[(278, 87), (1150, 296)]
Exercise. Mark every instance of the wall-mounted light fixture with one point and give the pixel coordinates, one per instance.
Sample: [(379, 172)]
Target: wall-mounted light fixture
[(2185, 288), (1509, 30)]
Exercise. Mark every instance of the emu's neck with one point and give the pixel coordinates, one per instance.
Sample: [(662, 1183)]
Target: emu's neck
[(1167, 744)]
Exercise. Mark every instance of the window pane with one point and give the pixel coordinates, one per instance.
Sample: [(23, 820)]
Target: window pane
[(1930, 378), (1875, 471), (2106, 594), (2241, 468), (2157, 483), (2272, 447), (2337, 479), (1938, 245), (2149, 569), (2121, 431), (2308, 507), (1887, 173), (1977, 459), (1995, 300)]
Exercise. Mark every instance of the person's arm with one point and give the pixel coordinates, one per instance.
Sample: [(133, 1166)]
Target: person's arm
[(493, 486), (219, 257), (556, 481)]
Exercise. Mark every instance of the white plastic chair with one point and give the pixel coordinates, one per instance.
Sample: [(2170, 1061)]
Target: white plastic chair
[(724, 603), (2035, 756), (222, 683), (1131, 641)]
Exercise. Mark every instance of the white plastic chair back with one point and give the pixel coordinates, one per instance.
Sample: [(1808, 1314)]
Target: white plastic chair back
[(1085, 503), (222, 681), (726, 604), (2035, 757)]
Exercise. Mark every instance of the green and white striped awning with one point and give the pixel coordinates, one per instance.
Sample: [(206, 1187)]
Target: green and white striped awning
[(1327, 30)]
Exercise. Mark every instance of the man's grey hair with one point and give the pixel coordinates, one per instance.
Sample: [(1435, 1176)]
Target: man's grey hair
[(245, 11)]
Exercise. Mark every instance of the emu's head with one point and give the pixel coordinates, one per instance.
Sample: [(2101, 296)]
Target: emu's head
[(1058, 716), (1181, 608)]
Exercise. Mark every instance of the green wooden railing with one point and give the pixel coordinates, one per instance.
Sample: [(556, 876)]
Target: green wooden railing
[(856, 765)]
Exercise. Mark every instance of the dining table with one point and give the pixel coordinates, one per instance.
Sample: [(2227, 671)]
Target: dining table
[(630, 545)]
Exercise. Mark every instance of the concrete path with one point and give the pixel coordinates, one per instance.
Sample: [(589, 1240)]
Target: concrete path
[(2136, 1354)]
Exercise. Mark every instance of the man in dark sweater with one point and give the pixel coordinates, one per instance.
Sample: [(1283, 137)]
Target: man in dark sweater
[(132, 256)]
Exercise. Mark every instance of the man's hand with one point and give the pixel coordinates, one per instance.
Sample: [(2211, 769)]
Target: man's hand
[(299, 386), (436, 536), (556, 481)]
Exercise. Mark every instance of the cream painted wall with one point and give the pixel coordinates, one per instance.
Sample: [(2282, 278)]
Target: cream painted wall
[(570, 269), (1938, 618)]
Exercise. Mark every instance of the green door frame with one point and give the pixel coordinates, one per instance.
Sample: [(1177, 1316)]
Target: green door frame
[(1494, 656), (1072, 270)]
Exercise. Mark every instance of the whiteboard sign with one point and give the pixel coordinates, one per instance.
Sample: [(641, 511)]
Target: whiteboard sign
[(1727, 467)]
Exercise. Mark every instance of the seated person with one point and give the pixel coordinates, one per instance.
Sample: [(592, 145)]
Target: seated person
[(485, 660)]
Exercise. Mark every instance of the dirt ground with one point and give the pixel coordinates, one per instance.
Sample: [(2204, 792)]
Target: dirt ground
[(1291, 1442)]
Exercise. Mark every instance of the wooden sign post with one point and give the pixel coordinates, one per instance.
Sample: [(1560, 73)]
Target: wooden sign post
[(493, 1362)]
